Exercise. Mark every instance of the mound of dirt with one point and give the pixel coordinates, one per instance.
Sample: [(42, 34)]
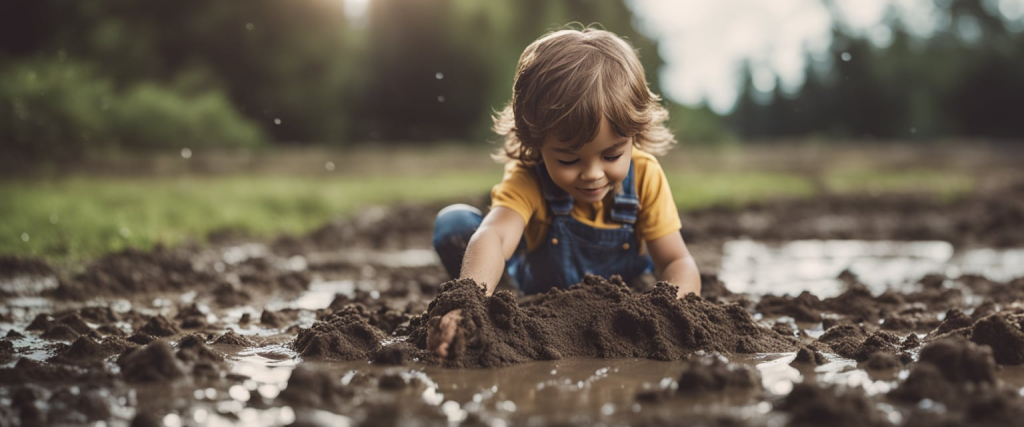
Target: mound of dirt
[(596, 318), (87, 350), (13, 266), (715, 373), (812, 405), (344, 335), (232, 338), (134, 272), (805, 308), (311, 388), (960, 360), (1002, 332), (159, 326), (155, 362)]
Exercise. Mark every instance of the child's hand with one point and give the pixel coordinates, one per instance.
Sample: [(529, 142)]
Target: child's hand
[(441, 331)]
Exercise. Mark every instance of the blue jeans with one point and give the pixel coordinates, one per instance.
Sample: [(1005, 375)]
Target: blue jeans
[(453, 227)]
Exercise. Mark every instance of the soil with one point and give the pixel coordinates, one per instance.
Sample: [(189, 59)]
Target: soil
[(329, 324)]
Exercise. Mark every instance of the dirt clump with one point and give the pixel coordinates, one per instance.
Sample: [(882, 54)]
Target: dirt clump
[(27, 370), (808, 356), (804, 308), (159, 326), (715, 373), (60, 333), (135, 272), (1002, 332), (955, 319), (960, 360), (87, 350), (812, 405), (227, 294), (232, 338), (596, 318), (155, 362), (344, 335), (312, 388), (13, 266)]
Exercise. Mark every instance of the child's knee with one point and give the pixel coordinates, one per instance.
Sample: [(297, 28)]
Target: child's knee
[(458, 220)]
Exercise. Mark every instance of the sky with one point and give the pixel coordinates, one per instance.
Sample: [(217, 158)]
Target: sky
[(704, 42)]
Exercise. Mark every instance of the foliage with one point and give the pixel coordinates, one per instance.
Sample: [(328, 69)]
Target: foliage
[(61, 109), (309, 70), (964, 80)]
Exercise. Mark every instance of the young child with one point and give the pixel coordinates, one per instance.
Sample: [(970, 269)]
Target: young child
[(582, 191)]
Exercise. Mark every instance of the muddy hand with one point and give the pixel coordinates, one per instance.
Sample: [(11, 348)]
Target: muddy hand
[(441, 332)]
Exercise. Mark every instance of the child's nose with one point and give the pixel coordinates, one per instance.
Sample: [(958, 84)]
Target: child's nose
[(592, 172)]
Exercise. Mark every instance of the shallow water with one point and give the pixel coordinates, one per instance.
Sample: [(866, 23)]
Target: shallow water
[(758, 268), (576, 391)]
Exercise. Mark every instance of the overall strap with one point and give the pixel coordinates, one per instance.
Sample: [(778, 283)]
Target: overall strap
[(626, 204), (558, 199)]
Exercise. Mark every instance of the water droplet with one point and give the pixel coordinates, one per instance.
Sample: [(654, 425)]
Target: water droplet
[(200, 415), (249, 26), (186, 153), (846, 56), (329, 166), (211, 393), (239, 393), (54, 218), (607, 409), (277, 121), (287, 415), (440, 98), (172, 420), (439, 75), (24, 237)]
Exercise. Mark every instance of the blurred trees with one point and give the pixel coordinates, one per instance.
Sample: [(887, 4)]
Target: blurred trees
[(965, 80), (214, 72)]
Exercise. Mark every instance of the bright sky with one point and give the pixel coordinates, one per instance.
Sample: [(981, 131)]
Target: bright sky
[(703, 42)]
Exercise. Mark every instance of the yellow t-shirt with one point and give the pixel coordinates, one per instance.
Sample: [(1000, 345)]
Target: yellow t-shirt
[(520, 191)]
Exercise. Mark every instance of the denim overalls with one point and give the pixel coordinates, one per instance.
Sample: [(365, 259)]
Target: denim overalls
[(571, 248)]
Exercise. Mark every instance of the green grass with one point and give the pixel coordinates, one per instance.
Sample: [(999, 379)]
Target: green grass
[(695, 190), (74, 219), (70, 220), (945, 185)]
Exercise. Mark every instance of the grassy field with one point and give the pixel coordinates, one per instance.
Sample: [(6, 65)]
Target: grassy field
[(73, 218)]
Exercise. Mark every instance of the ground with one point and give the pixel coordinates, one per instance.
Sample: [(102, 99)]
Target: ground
[(327, 327)]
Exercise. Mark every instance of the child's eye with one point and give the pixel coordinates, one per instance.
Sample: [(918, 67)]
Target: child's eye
[(612, 158), (569, 163)]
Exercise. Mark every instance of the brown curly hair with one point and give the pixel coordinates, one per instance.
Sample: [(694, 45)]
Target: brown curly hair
[(566, 82)]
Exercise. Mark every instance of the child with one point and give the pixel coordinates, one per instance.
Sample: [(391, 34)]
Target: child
[(582, 191)]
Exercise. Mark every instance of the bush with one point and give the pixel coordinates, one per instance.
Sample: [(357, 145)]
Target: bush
[(52, 109), (59, 110), (148, 115)]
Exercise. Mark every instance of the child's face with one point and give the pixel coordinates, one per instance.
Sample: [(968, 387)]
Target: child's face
[(588, 174)]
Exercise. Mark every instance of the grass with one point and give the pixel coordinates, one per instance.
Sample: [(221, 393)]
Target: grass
[(73, 219)]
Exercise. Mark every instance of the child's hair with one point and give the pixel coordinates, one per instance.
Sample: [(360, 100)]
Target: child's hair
[(566, 82)]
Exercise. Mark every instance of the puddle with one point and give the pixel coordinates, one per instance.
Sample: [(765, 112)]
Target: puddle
[(758, 268), (573, 391)]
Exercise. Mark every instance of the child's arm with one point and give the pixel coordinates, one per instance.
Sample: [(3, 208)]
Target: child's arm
[(493, 243), (674, 263)]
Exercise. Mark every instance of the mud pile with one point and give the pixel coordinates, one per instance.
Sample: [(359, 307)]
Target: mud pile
[(596, 318)]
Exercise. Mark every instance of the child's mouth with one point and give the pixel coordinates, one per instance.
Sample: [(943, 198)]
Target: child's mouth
[(593, 192)]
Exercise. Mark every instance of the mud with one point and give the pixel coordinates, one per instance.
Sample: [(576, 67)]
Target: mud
[(596, 318), (330, 328)]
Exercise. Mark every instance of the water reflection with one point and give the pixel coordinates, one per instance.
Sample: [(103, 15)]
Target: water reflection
[(814, 265)]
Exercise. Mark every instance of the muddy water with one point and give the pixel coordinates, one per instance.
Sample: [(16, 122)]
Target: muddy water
[(254, 385)]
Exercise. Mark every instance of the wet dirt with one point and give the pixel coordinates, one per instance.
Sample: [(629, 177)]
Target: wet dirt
[(330, 328)]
